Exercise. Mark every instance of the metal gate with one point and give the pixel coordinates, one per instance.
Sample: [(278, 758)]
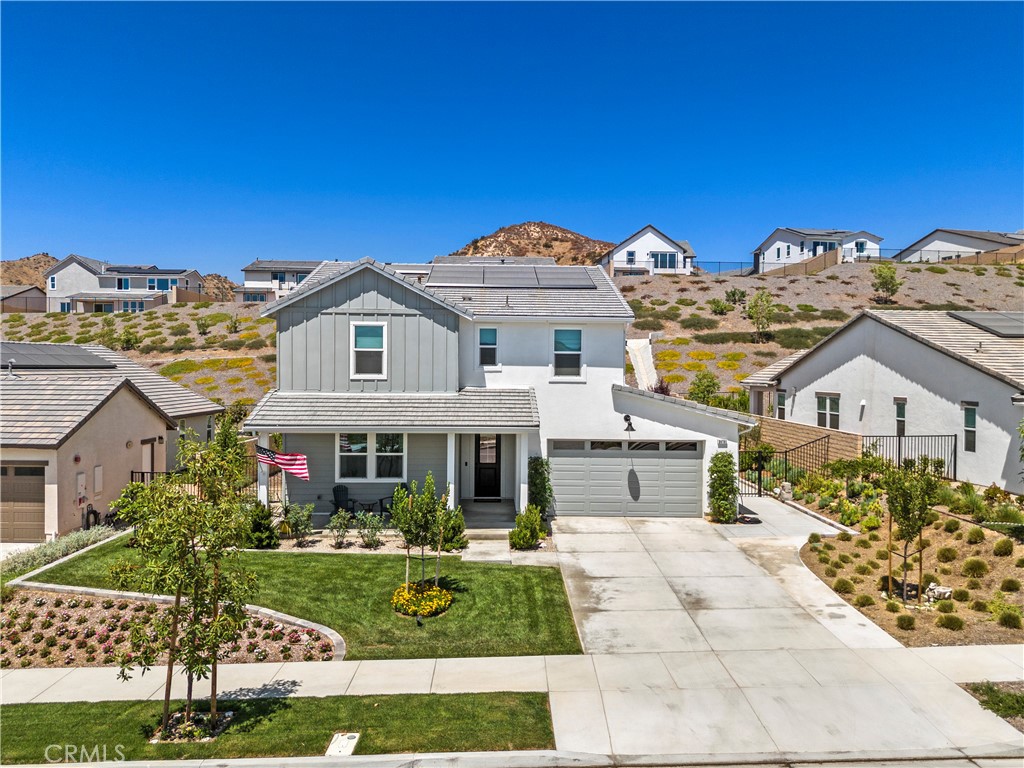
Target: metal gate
[(759, 472)]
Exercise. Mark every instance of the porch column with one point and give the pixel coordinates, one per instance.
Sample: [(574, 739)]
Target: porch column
[(263, 471), (522, 471), (451, 468)]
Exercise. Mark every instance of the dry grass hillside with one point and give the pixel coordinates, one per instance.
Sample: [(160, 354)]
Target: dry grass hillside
[(26, 271), (537, 238), (695, 328)]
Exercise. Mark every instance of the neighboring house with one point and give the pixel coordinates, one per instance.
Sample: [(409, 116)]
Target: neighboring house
[(467, 371), (78, 284), (942, 244), (649, 252), (788, 245), (22, 298), (72, 433), (913, 374), (267, 279)]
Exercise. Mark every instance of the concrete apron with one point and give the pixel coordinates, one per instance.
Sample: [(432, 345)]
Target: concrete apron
[(708, 643)]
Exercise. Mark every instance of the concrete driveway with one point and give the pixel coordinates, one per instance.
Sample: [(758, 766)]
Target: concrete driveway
[(716, 640)]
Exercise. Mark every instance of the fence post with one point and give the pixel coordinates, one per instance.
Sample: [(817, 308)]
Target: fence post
[(955, 438)]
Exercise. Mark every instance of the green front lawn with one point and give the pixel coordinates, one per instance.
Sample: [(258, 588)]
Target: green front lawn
[(283, 727), (499, 610)]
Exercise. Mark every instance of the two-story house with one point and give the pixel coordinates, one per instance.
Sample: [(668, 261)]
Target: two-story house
[(468, 370), (80, 284), (649, 252), (265, 280), (946, 384), (789, 245)]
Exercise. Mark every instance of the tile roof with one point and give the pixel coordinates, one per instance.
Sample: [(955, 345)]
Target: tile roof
[(767, 375), (1006, 238), (276, 265), (706, 410), (41, 410), (470, 408), (602, 301)]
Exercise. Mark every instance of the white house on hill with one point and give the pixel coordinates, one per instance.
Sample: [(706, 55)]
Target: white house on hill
[(942, 244), (80, 284), (947, 384), (269, 279), (649, 252), (788, 245)]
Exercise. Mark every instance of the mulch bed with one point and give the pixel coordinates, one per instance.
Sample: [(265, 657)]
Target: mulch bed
[(52, 629)]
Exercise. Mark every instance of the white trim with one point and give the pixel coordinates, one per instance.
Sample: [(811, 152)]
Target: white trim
[(371, 458), (352, 353)]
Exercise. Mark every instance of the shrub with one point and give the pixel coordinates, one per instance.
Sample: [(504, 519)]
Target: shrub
[(685, 302), (893, 607), (952, 525), (1003, 548), (863, 601), (263, 533), (950, 622), (645, 324), (299, 518), (830, 572), (844, 536), (1009, 619), (814, 538), (842, 586), (695, 366), (979, 605), (945, 606), (974, 567), (1019, 563), (973, 584), (936, 269), (723, 488), (232, 344), (701, 354), (862, 544), (337, 526), (529, 529), (1009, 585), (421, 600), (369, 528), (863, 569), (870, 523), (975, 535), (905, 622), (946, 554), (824, 558), (719, 307), (62, 546), (698, 323), (539, 491)]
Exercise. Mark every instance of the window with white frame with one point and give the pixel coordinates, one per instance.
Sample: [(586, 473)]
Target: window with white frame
[(277, 277), (300, 276), (371, 456), (369, 348), (828, 411), (901, 416), (53, 282), (65, 306), (488, 346), (568, 352), (631, 257), (253, 298), (124, 283), (861, 246), (664, 259), (778, 253), (970, 427), (132, 306), (787, 250), (780, 405)]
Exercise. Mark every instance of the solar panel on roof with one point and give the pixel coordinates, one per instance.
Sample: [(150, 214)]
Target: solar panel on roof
[(564, 277), (1006, 325), (510, 277), (27, 355), (456, 274)]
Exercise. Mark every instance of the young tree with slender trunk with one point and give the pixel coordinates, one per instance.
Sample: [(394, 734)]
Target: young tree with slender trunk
[(910, 491), (761, 312)]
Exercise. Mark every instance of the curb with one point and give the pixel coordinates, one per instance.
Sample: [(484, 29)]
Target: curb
[(820, 518)]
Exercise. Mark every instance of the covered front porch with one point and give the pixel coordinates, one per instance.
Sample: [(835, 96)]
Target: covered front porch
[(476, 448)]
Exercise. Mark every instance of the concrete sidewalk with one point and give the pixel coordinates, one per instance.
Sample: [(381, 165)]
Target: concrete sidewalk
[(700, 646)]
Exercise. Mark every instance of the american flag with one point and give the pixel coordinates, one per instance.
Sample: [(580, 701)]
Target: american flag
[(289, 462)]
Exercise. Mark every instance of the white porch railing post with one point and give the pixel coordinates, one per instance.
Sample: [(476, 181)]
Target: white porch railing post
[(263, 471), (450, 471), (522, 471)]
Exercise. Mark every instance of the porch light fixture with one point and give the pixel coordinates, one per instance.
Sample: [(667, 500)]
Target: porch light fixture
[(629, 423)]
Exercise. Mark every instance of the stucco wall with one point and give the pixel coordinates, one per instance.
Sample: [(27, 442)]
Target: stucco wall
[(643, 244), (947, 245)]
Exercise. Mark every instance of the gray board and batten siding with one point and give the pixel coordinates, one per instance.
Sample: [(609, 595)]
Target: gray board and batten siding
[(314, 338), (425, 453)]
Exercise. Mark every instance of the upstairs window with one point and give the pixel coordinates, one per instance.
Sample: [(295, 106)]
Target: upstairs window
[(124, 283), (369, 343), (568, 352), (828, 411), (787, 249), (631, 257), (299, 277), (901, 417), (488, 346), (53, 282), (970, 427), (277, 277)]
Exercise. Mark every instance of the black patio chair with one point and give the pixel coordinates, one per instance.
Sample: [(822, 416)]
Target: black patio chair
[(342, 500), (386, 502)]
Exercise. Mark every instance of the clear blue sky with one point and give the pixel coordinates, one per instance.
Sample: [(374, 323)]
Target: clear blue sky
[(209, 134)]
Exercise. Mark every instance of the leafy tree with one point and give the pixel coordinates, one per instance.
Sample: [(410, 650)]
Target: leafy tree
[(203, 325), (703, 388), (910, 491), (263, 533), (761, 312), (723, 487), (885, 283), (188, 527)]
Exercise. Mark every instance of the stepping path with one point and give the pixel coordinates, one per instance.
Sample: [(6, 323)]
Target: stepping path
[(702, 643)]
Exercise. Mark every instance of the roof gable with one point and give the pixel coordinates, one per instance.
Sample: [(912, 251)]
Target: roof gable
[(683, 247), (996, 238)]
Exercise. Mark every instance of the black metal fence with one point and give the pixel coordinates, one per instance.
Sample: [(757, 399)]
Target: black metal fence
[(275, 481), (896, 448), (759, 471)]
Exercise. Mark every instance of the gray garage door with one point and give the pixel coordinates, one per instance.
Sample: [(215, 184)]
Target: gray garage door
[(22, 503), (636, 478)]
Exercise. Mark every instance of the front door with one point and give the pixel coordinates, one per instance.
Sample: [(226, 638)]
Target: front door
[(488, 466)]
